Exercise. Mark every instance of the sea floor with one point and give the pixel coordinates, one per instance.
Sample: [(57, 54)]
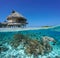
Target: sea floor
[(12, 53), (7, 51)]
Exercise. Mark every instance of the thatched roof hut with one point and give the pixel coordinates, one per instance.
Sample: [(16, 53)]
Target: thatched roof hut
[(14, 14), (15, 19)]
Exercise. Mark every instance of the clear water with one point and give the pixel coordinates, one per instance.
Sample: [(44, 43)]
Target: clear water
[(6, 37)]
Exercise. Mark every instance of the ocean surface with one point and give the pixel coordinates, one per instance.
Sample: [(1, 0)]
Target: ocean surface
[(8, 51)]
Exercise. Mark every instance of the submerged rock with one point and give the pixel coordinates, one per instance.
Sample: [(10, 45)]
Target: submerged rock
[(47, 39)]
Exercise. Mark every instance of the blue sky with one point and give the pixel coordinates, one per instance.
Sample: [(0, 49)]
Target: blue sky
[(37, 12)]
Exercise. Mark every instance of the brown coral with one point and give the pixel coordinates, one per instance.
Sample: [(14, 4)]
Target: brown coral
[(17, 39), (32, 46)]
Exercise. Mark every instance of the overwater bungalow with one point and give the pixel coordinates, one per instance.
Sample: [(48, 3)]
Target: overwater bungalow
[(14, 20)]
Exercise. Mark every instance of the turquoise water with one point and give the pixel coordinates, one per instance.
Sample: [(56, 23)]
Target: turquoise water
[(10, 52)]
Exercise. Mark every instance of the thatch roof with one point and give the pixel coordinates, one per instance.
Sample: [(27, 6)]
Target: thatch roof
[(15, 14)]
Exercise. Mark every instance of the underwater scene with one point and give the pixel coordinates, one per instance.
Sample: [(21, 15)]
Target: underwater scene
[(40, 43)]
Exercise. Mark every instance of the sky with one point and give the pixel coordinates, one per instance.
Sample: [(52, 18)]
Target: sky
[(37, 12)]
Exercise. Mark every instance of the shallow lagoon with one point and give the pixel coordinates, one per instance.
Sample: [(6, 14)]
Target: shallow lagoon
[(9, 52)]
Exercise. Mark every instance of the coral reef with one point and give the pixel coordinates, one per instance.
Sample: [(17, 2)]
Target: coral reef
[(17, 39), (33, 46)]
